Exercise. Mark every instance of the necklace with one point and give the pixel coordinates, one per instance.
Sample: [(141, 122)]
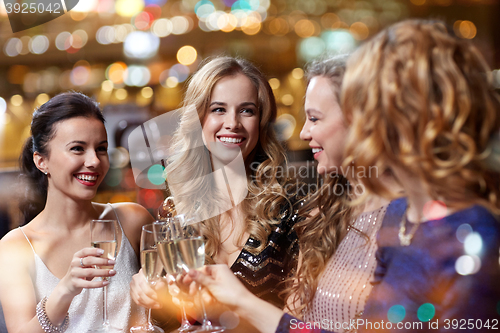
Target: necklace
[(405, 239)]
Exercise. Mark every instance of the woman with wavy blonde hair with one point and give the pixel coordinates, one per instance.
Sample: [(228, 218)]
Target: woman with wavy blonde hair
[(422, 104), (248, 217)]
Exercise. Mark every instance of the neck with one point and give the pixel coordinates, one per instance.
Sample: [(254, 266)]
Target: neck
[(68, 213)]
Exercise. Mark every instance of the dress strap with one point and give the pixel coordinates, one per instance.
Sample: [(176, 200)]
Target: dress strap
[(27, 240), (116, 214)]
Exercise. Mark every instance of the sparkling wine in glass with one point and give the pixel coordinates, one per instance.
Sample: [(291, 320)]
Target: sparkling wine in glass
[(151, 268), (167, 233), (104, 235), (191, 247)]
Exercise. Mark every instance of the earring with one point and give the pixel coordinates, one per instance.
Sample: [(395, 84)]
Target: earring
[(45, 173)]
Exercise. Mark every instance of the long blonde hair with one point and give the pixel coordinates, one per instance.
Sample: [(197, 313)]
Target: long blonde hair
[(320, 234), (421, 99), (265, 198)]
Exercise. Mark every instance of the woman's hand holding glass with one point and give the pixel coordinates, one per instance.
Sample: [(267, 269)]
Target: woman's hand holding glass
[(87, 265)]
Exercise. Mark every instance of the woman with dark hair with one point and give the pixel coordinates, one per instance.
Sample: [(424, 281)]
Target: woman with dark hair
[(48, 261)]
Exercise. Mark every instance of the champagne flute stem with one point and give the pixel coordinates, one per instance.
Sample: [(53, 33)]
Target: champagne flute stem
[(185, 321), (105, 321), (206, 324), (150, 325)]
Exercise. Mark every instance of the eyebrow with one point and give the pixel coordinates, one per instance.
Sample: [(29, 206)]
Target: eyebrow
[(242, 104), (84, 143)]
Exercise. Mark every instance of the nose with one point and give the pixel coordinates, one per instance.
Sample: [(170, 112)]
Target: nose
[(232, 120), (305, 133), (92, 160)]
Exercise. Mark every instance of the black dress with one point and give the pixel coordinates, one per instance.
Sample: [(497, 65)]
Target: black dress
[(263, 273)]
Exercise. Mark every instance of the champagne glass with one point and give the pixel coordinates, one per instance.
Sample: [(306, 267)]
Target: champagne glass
[(191, 249), (151, 268), (166, 234), (103, 235)]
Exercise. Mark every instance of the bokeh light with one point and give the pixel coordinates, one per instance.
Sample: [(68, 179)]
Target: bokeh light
[(121, 94), (113, 177), (180, 25), (147, 92), (107, 85), (186, 55), (129, 8), (473, 244), (17, 100), (3, 105), (155, 174), (311, 48), (287, 99), (396, 313), (465, 29), (179, 71), (426, 312), (42, 98), (137, 76), (463, 231), (298, 73), (467, 265), (38, 44), (274, 83), (13, 47), (162, 27), (141, 45), (115, 72)]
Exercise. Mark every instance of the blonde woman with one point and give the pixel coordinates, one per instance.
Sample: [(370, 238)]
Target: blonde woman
[(235, 106)]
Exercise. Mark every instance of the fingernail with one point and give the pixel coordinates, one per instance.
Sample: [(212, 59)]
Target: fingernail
[(112, 272), (100, 251), (105, 283), (111, 262)]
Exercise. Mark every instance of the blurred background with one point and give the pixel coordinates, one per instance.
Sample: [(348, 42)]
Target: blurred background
[(134, 56)]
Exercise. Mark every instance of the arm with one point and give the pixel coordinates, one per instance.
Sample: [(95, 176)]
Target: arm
[(17, 290), (216, 278)]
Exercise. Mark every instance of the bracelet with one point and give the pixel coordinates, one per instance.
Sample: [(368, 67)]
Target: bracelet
[(43, 319)]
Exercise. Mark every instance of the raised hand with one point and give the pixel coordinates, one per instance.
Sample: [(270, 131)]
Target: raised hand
[(85, 266)]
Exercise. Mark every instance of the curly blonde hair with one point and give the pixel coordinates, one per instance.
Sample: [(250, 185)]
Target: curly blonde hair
[(265, 199), (320, 234), (421, 99)]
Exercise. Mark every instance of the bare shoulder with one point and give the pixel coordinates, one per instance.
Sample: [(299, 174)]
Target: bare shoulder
[(15, 251), (129, 211)]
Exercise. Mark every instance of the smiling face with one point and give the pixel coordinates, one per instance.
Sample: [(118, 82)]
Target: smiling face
[(231, 122), (324, 128), (77, 160)]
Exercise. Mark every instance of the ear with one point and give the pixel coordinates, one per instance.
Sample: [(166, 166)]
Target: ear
[(40, 162)]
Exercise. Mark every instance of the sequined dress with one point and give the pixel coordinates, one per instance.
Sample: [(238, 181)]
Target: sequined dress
[(263, 272), (442, 282), (345, 283)]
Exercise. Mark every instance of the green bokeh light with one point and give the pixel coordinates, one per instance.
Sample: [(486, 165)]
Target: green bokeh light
[(426, 312), (155, 174), (114, 177), (396, 314)]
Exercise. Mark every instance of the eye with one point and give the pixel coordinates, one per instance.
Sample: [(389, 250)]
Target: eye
[(248, 111), (218, 110), (312, 119), (77, 149), (102, 149)]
